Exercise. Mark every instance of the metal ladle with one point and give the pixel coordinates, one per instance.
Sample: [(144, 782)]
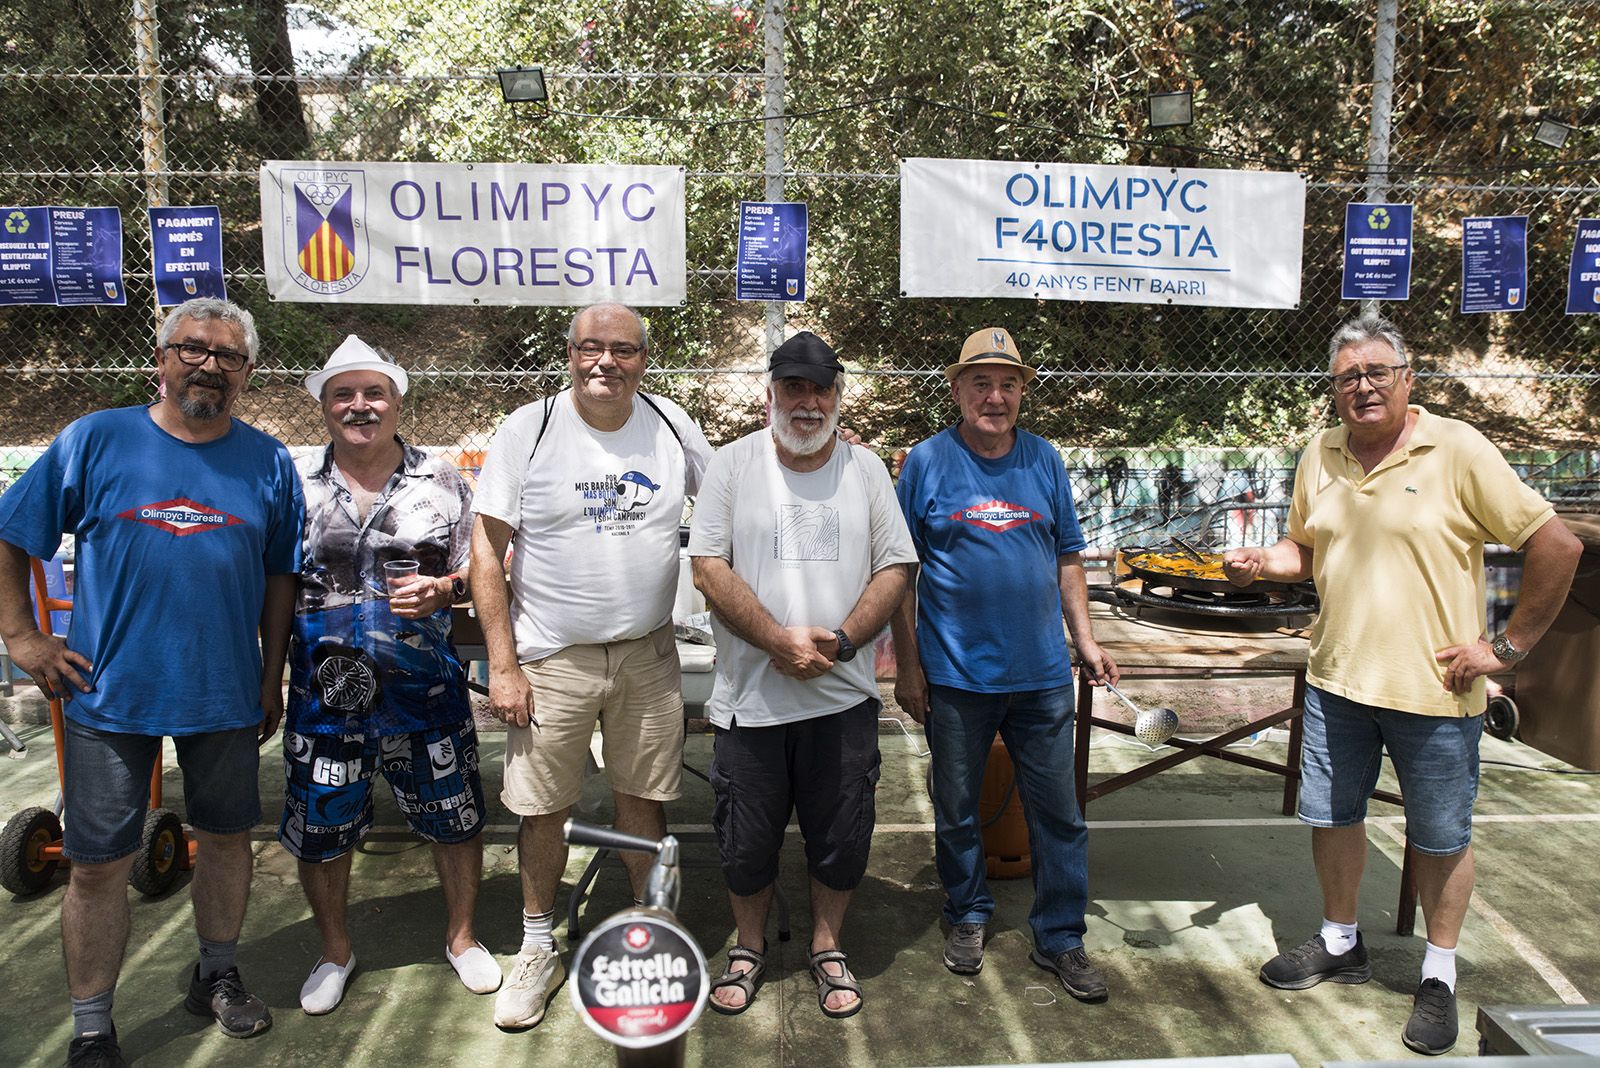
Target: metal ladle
[(1152, 726)]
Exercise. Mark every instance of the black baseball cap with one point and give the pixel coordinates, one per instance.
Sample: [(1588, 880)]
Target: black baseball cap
[(805, 356)]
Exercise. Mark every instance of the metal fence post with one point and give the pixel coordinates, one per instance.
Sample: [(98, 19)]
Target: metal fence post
[(1382, 114), (152, 131), (772, 24)]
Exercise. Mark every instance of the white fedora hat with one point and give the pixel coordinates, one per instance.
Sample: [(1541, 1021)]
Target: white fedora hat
[(356, 355)]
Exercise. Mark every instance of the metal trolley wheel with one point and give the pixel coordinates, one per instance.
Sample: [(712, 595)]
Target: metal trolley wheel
[(156, 865), (23, 866), (1501, 719)]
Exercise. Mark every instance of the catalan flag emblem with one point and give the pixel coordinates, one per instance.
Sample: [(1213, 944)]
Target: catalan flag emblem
[(325, 230)]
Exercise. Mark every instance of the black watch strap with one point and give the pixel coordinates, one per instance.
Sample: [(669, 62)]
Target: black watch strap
[(847, 648), (458, 589)]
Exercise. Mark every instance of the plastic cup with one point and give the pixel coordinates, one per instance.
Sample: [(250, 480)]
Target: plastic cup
[(397, 573)]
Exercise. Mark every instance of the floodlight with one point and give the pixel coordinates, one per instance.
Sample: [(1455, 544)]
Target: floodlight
[(523, 85), (1552, 134), (1171, 109)]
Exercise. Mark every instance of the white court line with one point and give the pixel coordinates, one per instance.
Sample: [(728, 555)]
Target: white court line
[(1387, 822), (1540, 963)]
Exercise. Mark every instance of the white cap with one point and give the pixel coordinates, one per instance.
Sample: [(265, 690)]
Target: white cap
[(356, 355)]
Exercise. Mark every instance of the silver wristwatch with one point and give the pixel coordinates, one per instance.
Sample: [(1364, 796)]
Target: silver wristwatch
[(1505, 651)]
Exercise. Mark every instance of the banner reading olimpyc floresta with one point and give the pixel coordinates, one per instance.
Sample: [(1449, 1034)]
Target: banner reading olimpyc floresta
[(473, 233), (1068, 231)]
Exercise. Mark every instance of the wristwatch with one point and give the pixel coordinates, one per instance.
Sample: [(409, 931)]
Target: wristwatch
[(847, 649), (458, 589), (1507, 653)]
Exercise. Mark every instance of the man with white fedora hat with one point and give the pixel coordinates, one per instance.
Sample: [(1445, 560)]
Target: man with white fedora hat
[(980, 649), (375, 682)]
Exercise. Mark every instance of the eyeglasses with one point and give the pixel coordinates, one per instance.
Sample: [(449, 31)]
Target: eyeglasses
[(621, 352), (194, 355), (1380, 377)]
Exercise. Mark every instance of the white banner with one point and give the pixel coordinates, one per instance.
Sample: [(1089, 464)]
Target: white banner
[(1068, 231), (473, 233)]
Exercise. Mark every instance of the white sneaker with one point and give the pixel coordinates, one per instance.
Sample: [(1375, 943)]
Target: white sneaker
[(534, 977), (478, 970), (324, 987)]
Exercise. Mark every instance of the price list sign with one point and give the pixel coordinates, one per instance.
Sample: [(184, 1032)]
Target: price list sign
[(1494, 263), (772, 251)]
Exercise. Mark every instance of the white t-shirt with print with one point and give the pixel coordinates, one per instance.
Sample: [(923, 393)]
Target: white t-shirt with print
[(596, 515), (806, 543)]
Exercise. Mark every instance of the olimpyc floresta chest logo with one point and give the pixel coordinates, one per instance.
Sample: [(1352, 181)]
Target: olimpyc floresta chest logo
[(180, 516), (616, 503), (998, 516)]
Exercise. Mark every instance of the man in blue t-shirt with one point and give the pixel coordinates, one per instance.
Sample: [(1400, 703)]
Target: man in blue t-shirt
[(980, 649), (186, 531)]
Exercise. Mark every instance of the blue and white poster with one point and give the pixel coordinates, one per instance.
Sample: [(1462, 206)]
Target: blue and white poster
[(772, 252), (1494, 263), (62, 255), (186, 244), (1377, 252), (474, 233), (1583, 277), (1078, 231), (25, 257)]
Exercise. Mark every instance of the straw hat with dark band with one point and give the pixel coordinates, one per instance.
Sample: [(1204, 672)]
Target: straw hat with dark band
[(993, 345)]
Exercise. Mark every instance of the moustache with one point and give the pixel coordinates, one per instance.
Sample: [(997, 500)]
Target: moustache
[(206, 379), (358, 418)]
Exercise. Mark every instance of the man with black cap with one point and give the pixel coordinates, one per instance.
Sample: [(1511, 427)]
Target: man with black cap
[(979, 649), (802, 555), (375, 682)]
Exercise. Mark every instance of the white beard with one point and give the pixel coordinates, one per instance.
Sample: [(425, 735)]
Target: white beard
[(804, 444)]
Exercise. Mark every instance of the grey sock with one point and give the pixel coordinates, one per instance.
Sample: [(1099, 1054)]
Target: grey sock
[(92, 1016), (216, 957)]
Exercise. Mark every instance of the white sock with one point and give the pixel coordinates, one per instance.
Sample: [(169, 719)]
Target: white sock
[(1440, 964), (1338, 937), (538, 931)]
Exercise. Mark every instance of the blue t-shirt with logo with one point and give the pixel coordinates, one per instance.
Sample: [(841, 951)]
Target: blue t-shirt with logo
[(988, 533), (174, 541)]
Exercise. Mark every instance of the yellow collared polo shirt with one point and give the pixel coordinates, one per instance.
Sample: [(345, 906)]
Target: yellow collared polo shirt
[(1397, 556)]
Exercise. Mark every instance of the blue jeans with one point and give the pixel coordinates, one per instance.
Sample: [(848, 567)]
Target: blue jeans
[(1037, 728)]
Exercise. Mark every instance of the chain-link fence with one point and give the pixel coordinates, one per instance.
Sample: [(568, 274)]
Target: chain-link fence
[(1166, 414)]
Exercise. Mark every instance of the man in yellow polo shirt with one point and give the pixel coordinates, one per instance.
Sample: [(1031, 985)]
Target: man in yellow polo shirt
[(1390, 515)]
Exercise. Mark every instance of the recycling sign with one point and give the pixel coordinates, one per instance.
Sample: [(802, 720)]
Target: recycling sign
[(1377, 252)]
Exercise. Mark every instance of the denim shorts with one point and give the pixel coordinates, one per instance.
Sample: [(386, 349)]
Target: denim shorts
[(1435, 758), (106, 783), (327, 802)]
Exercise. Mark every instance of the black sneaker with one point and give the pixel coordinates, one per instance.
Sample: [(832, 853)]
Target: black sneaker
[(1310, 963), (239, 1013), (1082, 979), (963, 948), (1432, 1027), (96, 1050)]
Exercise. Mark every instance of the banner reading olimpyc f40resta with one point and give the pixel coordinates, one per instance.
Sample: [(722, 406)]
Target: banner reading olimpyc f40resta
[(473, 233), (1067, 231)]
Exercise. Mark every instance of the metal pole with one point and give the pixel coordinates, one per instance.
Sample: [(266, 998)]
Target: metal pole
[(772, 24), (152, 131), (1382, 113)]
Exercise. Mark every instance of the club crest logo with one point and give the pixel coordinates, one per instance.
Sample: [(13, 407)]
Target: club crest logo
[(180, 516), (326, 213), (997, 338), (189, 287), (997, 516)]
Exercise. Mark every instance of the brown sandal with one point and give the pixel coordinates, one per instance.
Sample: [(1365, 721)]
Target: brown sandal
[(745, 981), (827, 983)]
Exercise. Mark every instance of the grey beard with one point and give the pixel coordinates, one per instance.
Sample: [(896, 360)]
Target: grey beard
[(195, 408)]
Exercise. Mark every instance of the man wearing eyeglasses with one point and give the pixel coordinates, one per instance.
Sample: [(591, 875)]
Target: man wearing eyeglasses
[(1390, 515), (587, 490), (186, 526)]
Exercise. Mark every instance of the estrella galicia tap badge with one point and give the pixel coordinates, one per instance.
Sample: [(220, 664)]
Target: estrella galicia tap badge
[(325, 211), (641, 980)]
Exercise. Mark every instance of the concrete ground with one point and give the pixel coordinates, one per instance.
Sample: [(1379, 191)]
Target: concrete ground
[(1195, 880)]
